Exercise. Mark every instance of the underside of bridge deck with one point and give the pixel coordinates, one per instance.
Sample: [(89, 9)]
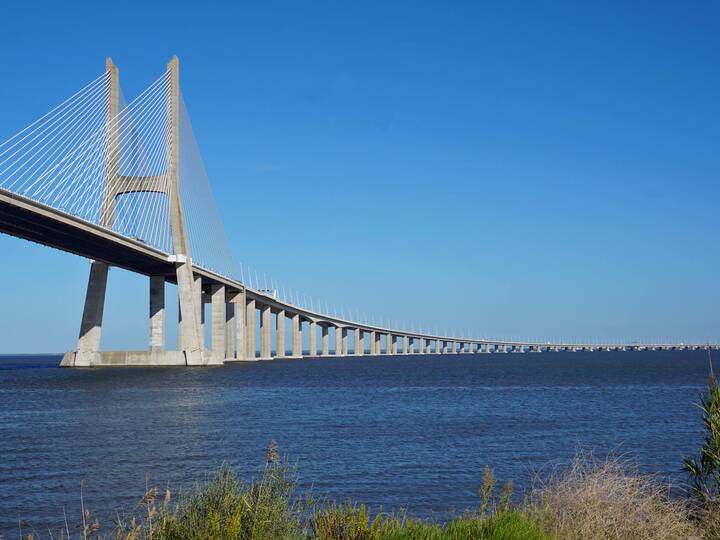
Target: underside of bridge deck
[(74, 236)]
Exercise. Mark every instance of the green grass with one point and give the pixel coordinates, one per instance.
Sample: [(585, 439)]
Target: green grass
[(223, 508), (354, 522)]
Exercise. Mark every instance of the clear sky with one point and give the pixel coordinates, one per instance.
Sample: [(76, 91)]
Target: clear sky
[(538, 169)]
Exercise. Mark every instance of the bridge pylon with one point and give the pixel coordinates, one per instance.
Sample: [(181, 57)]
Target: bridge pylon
[(191, 335)]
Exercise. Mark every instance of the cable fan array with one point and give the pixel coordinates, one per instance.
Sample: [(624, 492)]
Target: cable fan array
[(80, 160), (208, 242), (77, 156)]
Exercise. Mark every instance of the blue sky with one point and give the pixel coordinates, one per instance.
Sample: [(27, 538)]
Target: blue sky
[(509, 169)]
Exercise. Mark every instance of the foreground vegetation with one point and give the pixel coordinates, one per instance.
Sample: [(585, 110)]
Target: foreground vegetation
[(591, 499)]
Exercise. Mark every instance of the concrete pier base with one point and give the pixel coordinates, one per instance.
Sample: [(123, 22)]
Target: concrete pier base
[(126, 359)]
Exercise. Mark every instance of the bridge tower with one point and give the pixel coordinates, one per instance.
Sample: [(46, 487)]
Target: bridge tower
[(191, 334)]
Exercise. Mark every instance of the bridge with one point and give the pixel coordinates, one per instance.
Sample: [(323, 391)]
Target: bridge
[(123, 185)]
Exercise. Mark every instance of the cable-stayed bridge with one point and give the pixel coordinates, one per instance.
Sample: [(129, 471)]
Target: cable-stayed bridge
[(123, 184)]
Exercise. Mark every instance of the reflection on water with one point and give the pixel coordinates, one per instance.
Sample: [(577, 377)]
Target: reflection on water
[(413, 431)]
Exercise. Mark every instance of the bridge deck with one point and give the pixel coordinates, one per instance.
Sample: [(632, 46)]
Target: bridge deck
[(36, 222)]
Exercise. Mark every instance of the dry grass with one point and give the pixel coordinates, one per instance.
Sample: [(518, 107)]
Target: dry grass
[(606, 499)]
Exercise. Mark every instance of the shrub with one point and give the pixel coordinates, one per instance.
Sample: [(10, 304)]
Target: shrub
[(705, 471), (224, 508), (605, 499)]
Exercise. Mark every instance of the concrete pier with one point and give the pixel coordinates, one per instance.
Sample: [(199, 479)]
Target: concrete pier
[(313, 338), (229, 329), (217, 328), (280, 334), (157, 313), (91, 325), (250, 325), (265, 329), (338, 341), (200, 306), (296, 335), (240, 331), (325, 340)]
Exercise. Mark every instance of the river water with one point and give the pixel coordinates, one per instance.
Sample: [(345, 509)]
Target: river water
[(395, 432)]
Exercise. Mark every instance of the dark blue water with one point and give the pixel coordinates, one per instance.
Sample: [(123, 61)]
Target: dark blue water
[(413, 432)]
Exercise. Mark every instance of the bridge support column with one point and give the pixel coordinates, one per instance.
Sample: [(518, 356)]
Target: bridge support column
[(189, 331), (217, 302), (265, 321), (240, 331), (421, 345), (338, 341), (438, 347), (229, 329), (359, 342), (325, 340), (296, 335), (250, 326), (157, 313), (405, 343), (200, 315), (373, 335), (280, 334), (394, 346), (344, 344), (88, 347), (313, 338)]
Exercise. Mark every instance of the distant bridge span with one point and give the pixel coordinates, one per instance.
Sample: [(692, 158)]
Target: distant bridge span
[(68, 189)]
